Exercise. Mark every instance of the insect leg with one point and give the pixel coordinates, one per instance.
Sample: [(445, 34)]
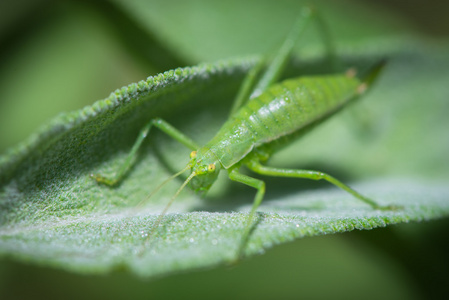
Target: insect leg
[(247, 86), (280, 60), (328, 41), (278, 63), (314, 175), (252, 182), (274, 69), (162, 125), (258, 184)]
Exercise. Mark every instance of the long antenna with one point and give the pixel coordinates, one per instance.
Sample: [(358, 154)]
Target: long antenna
[(174, 197), (159, 219), (161, 185)]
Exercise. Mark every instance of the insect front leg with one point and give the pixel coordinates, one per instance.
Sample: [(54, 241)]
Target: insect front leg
[(127, 164), (258, 184), (314, 175)]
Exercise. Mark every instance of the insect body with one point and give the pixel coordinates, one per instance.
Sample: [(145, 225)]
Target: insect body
[(273, 116), (283, 109), (281, 112)]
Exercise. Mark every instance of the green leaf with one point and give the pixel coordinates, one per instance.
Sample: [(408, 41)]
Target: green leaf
[(390, 146), (53, 213)]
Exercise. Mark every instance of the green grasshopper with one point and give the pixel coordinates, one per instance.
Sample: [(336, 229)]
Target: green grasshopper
[(274, 115)]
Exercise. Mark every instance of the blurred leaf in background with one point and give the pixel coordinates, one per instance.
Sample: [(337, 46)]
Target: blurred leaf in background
[(56, 47), (59, 56)]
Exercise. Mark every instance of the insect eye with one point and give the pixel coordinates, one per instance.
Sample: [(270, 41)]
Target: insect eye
[(211, 167), (193, 154)]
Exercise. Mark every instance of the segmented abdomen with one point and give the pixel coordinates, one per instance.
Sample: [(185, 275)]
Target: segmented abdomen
[(283, 109)]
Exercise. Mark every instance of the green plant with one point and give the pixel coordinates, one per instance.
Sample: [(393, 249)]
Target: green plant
[(54, 214)]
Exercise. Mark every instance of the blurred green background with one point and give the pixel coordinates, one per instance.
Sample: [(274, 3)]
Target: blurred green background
[(62, 55)]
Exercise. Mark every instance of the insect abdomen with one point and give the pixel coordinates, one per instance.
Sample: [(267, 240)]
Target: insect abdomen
[(283, 109), (296, 103)]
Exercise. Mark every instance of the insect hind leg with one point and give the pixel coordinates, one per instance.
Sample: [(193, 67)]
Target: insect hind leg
[(313, 175), (253, 86), (279, 62)]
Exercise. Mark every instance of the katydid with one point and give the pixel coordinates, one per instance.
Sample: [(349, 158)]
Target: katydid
[(265, 116)]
